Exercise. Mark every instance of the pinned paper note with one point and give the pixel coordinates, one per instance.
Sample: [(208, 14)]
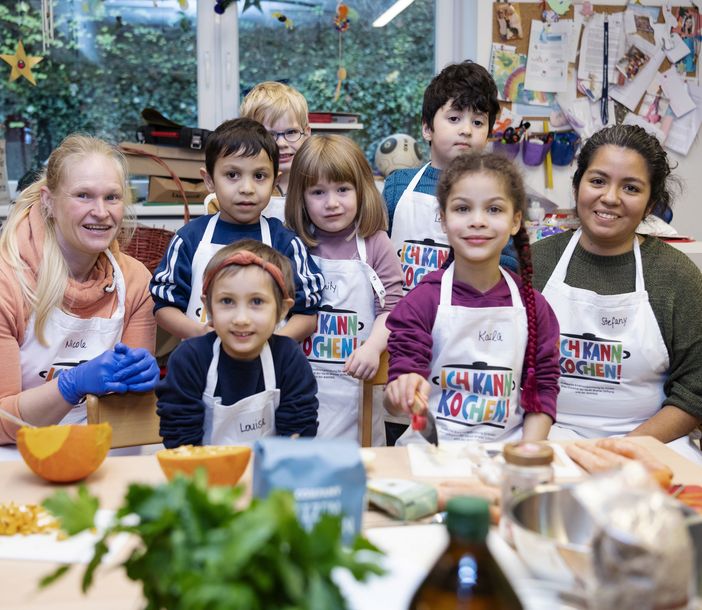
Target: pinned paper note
[(684, 130), (547, 66), (675, 89)]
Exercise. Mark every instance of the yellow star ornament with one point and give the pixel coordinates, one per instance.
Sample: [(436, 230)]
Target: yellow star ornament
[(21, 63)]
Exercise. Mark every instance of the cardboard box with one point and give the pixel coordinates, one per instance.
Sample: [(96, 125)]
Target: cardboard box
[(184, 162), (165, 190)]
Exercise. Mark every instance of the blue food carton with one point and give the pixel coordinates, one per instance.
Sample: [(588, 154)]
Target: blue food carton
[(324, 475)]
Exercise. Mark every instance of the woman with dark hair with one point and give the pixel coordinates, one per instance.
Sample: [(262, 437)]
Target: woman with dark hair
[(629, 306)]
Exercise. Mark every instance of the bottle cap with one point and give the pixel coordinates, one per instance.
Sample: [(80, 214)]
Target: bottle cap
[(468, 517), (527, 454)]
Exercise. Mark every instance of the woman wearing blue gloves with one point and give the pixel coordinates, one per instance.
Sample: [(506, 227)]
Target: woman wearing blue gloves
[(75, 312)]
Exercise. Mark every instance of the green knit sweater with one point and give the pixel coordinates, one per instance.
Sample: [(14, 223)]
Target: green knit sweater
[(674, 286)]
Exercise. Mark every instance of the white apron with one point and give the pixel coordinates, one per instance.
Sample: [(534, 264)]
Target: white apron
[(71, 340), (613, 359), (421, 243), (205, 251), (476, 369), (275, 209), (247, 419), (344, 322)]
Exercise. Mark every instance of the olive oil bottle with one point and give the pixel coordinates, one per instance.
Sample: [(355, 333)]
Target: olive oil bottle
[(466, 576)]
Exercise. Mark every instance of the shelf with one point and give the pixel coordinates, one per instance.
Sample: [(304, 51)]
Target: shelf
[(335, 126)]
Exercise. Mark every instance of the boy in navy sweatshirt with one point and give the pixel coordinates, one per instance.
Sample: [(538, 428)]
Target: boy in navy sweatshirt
[(240, 382)]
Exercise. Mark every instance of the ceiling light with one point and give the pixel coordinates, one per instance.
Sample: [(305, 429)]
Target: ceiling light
[(391, 13)]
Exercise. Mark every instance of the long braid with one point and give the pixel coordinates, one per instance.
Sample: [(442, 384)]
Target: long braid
[(530, 396)]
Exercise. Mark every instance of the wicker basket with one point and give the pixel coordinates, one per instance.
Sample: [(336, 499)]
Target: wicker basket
[(148, 245)]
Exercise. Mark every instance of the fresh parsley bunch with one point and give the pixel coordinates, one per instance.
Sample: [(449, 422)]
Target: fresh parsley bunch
[(197, 551)]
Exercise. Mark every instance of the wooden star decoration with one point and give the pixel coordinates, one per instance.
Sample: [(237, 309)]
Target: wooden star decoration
[(21, 63)]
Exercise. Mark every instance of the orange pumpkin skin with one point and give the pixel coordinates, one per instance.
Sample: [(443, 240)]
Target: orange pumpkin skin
[(64, 454), (225, 465)]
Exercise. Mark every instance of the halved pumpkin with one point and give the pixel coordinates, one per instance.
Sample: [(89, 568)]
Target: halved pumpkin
[(64, 454), (224, 464)]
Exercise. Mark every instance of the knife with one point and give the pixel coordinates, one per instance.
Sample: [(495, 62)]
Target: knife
[(423, 420)]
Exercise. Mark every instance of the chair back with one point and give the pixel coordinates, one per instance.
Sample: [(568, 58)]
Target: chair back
[(365, 420), (132, 416)]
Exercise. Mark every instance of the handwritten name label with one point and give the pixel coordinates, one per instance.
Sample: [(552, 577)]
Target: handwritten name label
[(489, 335), (257, 425), (614, 321), (75, 344)]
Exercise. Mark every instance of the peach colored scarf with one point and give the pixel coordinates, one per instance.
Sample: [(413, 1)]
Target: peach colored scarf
[(78, 295)]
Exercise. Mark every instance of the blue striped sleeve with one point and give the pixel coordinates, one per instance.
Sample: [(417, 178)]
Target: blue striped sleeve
[(171, 283), (308, 279)]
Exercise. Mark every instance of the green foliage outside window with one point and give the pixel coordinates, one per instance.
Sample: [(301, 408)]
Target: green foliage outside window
[(101, 71), (388, 68)]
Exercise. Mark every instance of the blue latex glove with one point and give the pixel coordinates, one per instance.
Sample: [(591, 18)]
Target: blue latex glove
[(96, 376), (138, 368)]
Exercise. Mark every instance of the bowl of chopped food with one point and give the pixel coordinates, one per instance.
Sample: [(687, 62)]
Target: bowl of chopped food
[(224, 464)]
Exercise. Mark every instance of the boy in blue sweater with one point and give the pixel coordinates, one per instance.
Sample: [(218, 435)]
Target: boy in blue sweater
[(458, 112), (241, 164), (240, 382)]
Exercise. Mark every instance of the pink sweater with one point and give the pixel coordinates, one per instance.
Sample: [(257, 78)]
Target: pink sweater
[(380, 255)]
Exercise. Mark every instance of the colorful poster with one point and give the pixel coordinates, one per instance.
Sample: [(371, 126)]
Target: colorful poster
[(689, 25), (508, 69)]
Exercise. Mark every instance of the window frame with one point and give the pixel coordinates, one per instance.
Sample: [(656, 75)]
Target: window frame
[(218, 54)]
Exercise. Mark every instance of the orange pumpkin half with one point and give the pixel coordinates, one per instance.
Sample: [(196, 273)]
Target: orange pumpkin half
[(64, 454), (224, 464)]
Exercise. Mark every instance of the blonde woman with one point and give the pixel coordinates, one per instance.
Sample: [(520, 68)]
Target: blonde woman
[(75, 312)]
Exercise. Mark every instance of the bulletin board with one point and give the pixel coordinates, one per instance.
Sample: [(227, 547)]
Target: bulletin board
[(529, 11)]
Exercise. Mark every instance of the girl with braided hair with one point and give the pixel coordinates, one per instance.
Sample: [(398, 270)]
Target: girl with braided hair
[(473, 341)]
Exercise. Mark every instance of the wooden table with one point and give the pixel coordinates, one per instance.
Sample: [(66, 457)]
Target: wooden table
[(112, 590)]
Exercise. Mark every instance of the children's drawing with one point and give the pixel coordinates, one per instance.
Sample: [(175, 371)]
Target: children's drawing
[(508, 69)]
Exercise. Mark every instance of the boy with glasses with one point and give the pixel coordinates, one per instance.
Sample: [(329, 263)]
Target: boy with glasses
[(282, 110)]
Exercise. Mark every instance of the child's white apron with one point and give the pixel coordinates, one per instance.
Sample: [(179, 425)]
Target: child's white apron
[(247, 419), (613, 358), (476, 369), (275, 209), (71, 340), (344, 322), (417, 235), (205, 251)]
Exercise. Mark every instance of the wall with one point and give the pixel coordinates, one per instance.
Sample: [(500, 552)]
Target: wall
[(686, 218)]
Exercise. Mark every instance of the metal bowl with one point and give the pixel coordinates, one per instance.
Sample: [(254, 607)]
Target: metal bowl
[(553, 534)]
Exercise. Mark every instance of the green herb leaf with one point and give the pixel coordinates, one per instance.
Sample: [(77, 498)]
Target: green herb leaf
[(197, 551), (74, 514), (54, 576)]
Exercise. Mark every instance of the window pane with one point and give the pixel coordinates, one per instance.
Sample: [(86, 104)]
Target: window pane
[(109, 60), (387, 68)]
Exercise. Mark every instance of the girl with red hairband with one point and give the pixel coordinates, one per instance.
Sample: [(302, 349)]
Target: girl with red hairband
[(241, 381)]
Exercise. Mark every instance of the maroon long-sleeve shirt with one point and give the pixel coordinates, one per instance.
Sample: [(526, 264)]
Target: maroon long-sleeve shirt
[(412, 320)]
